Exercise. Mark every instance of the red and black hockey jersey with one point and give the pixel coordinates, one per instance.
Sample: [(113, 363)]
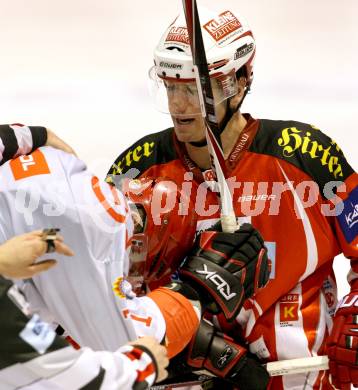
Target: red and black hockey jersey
[(293, 183)]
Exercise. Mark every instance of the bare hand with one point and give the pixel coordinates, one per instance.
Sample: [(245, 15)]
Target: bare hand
[(18, 255), (56, 142), (159, 352)]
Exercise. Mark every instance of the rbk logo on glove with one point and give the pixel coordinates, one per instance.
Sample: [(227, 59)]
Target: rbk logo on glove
[(227, 268), (222, 286)]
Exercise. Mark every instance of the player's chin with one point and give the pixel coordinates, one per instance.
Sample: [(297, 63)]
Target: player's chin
[(188, 131), (185, 135)]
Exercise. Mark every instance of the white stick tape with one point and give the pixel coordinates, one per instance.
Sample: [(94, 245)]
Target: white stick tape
[(297, 366)]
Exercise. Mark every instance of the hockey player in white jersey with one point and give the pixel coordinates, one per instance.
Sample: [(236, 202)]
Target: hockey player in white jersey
[(51, 188), (31, 354)]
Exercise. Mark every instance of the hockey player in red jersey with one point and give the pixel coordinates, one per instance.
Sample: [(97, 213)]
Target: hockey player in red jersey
[(289, 179)]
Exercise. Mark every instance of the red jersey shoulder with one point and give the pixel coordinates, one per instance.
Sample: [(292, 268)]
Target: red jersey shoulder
[(304, 146), (153, 149)]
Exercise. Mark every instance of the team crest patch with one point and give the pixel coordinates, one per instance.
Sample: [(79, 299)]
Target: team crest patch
[(348, 219), (123, 289)]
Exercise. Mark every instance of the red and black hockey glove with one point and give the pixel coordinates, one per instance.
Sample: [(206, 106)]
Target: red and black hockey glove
[(226, 359), (343, 343), (227, 268)]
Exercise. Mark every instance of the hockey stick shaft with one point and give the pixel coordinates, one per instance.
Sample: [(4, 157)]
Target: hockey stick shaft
[(207, 106), (281, 367), (292, 366)]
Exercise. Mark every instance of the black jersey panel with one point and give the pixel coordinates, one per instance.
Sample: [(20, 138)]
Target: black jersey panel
[(153, 149), (306, 147)]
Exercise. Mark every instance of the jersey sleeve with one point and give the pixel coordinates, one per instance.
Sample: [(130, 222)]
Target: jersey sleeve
[(346, 224), (33, 356), (16, 140), (319, 158), (338, 183)]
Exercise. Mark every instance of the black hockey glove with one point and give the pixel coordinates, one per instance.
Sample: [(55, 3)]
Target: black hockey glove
[(221, 356), (226, 268)]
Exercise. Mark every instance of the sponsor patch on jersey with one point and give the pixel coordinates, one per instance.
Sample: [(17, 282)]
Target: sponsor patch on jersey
[(130, 158), (289, 308), (306, 143), (209, 175), (30, 165), (330, 295), (288, 312), (348, 219), (38, 334)]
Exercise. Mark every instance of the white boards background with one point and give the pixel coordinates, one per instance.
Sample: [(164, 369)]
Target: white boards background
[(80, 68)]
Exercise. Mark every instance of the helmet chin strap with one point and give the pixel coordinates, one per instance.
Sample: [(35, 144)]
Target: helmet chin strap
[(222, 125)]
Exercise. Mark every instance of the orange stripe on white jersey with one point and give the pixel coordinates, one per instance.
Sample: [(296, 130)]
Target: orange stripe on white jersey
[(115, 196), (146, 320), (97, 190)]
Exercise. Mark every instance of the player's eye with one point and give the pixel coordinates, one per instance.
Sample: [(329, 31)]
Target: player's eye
[(169, 87)]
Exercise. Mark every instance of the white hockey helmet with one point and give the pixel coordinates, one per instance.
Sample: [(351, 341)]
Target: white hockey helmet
[(229, 45)]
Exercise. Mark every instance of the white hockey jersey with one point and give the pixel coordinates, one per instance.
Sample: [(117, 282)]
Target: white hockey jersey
[(50, 188)]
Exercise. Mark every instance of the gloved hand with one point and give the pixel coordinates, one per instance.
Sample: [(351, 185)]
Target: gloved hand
[(220, 355), (226, 268), (157, 351), (343, 343)]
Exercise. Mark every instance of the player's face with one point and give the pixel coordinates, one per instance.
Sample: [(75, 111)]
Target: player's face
[(184, 107)]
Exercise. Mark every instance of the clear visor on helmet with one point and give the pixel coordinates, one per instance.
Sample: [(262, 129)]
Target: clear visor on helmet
[(178, 97)]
